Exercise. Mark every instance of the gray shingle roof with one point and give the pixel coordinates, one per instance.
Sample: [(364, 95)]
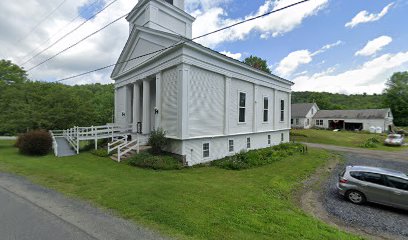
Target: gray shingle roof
[(353, 114), (299, 110)]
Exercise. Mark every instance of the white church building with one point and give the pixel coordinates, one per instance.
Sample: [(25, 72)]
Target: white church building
[(210, 105)]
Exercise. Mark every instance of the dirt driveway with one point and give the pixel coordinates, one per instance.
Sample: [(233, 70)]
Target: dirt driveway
[(373, 221)]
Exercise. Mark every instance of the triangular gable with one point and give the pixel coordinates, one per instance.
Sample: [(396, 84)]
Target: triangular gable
[(142, 41)]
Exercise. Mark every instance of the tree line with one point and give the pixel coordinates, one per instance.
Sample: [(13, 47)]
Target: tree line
[(27, 105)]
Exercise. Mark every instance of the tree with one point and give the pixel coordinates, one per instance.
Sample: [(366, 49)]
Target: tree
[(257, 63), (396, 97), (11, 73)]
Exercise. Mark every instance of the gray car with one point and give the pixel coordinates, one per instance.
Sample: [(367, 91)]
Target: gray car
[(384, 186)]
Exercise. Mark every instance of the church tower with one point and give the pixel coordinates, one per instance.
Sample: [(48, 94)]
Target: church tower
[(163, 15)]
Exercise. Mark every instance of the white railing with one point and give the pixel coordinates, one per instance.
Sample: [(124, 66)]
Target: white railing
[(56, 133), (116, 144), (127, 147)]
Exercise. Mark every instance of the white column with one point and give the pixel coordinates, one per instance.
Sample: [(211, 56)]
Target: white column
[(157, 123), (136, 106), (255, 110), (146, 107), (183, 86), (227, 105)]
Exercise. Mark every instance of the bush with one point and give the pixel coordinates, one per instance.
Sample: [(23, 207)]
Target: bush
[(370, 143), (295, 134), (38, 142), (156, 162), (100, 152), (255, 158), (158, 140)]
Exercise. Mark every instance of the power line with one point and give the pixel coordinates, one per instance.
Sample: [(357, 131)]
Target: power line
[(65, 26), (40, 22), (184, 41), (67, 34), (75, 44)]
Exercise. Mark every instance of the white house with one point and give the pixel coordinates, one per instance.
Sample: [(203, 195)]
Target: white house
[(302, 115), (379, 120), (210, 105)]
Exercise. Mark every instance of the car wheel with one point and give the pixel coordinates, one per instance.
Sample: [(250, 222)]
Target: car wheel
[(356, 197)]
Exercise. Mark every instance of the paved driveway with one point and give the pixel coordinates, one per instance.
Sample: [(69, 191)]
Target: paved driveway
[(28, 211)]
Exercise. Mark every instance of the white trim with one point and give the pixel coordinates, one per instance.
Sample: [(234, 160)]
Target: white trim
[(239, 107), (263, 109), (280, 110), (209, 149), (230, 135), (250, 142), (233, 145)]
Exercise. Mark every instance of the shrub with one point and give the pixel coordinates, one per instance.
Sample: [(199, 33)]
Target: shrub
[(370, 143), (295, 134), (100, 152), (38, 142), (255, 158), (158, 140), (156, 162)]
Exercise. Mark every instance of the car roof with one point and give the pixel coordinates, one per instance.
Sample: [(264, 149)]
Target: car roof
[(386, 171)]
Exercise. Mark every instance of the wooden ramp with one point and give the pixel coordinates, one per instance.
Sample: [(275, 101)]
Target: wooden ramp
[(63, 148)]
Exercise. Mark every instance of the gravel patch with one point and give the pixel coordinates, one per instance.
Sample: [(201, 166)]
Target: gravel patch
[(378, 219)]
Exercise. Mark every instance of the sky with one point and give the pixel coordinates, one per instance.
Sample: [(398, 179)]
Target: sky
[(322, 45)]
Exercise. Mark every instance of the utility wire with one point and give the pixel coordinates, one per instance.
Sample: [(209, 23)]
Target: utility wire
[(62, 28), (184, 41), (40, 22), (75, 44), (76, 28)]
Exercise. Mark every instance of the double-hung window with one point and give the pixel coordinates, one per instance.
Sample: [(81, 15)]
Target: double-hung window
[(282, 110), (206, 150), (265, 109), (230, 145), (269, 139), (319, 122), (248, 143), (242, 107)]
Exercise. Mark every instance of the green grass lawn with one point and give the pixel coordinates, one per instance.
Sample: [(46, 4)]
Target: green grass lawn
[(342, 138), (194, 203)]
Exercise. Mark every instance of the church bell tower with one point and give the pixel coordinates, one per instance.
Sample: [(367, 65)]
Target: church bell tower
[(163, 15)]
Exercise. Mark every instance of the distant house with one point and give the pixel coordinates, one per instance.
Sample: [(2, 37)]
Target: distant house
[(302, 115), (380, 120), (210, 105)]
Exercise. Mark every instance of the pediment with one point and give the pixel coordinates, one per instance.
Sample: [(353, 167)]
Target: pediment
[(141, 41)]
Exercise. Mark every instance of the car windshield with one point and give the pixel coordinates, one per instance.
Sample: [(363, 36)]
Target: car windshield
[(394, 137)]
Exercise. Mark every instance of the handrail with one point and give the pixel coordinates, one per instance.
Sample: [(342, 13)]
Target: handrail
[(54, 143), (122, 141), (130, 146)]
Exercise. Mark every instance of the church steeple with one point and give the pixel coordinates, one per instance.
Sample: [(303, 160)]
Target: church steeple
[(163, 15)]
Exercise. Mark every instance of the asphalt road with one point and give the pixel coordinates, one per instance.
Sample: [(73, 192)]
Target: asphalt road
[(29, 211)]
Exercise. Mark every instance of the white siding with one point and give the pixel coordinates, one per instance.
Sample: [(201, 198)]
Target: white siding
[(193, 148), (269, 93), (169, 107), (120, 106), (238, 86), (279, 124), (205, 103)]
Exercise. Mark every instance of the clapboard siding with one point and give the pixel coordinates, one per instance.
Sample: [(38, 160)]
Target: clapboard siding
[(269, 93), (206, 103), (169, 107), (236, 87)]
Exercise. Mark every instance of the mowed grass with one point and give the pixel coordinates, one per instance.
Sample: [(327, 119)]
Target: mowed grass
[(341, 138), (194, 203)]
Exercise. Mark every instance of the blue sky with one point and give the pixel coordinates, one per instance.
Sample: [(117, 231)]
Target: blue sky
[(327, 26), (322, 45)]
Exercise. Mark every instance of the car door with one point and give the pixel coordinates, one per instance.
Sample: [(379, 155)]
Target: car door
[(375, 187), (399, 193)]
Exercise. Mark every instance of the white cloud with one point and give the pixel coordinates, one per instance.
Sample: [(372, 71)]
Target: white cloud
[(279, 23), (99, 50), (290, 63), (369, 77), (365, 17), (374, 46), (236, 56)]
